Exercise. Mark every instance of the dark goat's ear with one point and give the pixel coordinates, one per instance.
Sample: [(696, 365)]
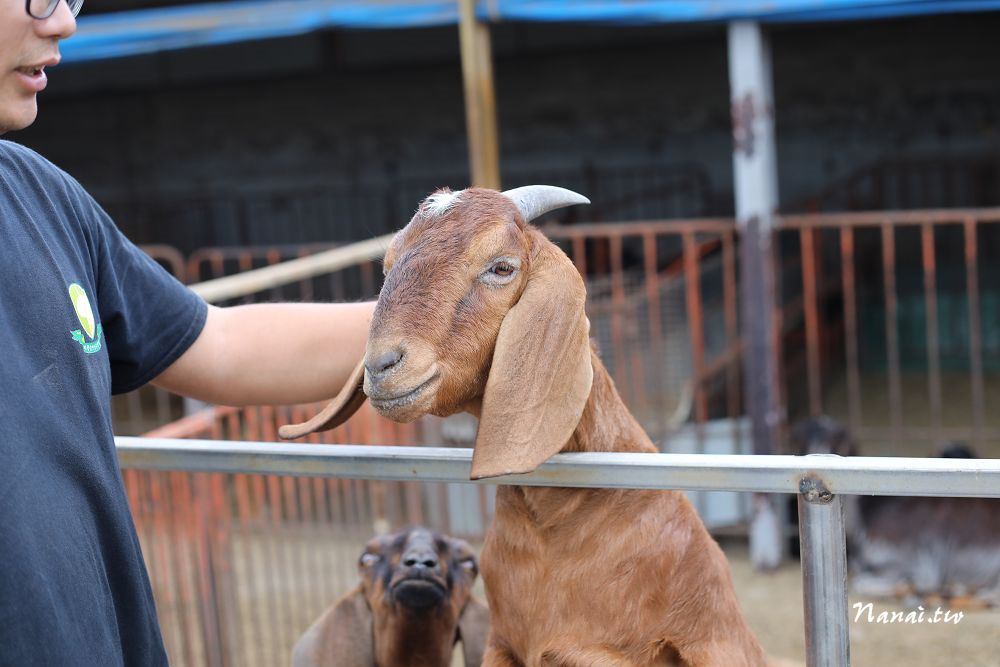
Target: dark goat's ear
[(342, 636), (473, 631), (337, 411), (541, 373)]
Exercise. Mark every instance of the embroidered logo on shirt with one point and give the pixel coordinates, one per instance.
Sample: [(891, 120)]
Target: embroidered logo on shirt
[(91, 342)]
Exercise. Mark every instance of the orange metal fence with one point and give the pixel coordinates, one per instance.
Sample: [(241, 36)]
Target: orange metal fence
[(890, 322)]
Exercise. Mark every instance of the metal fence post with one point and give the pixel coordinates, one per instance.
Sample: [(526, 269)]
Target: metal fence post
[(823, 548), (755, 175)]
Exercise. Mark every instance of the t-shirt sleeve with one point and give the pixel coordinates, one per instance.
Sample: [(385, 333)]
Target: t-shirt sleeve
[(149, 318)]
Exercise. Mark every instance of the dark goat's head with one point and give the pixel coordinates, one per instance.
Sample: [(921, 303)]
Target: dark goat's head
[(822, 435), (415, 570), (413, 605)]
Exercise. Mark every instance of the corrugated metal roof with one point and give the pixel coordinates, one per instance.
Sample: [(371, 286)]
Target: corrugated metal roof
[(184, 26)]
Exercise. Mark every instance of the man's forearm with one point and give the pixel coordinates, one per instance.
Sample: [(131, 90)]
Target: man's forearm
[(272, 353)]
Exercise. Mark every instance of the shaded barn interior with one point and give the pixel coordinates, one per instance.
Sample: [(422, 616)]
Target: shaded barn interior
[(334, 136)]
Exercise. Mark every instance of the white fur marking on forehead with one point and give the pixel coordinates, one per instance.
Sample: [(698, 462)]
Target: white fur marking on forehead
[(439, 202)]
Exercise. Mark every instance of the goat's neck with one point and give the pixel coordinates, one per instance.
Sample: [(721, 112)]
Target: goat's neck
[(414, 638), (606, 424)]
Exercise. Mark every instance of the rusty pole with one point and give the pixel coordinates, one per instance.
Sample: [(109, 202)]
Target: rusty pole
[(756, 188), (480, 99)]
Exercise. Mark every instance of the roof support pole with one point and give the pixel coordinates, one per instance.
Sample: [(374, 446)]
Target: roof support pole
[(480, 99), (756, 189)]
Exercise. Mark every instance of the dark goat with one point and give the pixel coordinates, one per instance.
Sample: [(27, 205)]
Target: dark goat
[(914, 547), (412, 606)]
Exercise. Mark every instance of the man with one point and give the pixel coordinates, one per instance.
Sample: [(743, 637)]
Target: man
[(83, 315)]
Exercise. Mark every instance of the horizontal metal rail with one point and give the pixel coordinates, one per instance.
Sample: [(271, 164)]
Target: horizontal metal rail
[(706, 472), (897, 217), (293, 270)]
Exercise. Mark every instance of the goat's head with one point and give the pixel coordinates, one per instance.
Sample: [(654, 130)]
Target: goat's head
[(416, 570), (822, 435), (413, 604), (479, 312)]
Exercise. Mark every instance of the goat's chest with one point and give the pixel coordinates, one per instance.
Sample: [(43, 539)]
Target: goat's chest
[(575, 566)]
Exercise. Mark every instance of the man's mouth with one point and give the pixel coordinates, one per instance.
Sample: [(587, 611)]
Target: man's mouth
[(32, 76)]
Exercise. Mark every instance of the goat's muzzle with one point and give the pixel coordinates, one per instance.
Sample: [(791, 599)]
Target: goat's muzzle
[(402, 399), (419, 592), (418, 581), (401, 380)]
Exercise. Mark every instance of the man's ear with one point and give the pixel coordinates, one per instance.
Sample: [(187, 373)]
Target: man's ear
[(342, 636), (337, 411), (473, 631), (541, 373)]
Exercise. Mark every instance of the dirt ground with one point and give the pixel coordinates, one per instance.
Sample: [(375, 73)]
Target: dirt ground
[(773, 606)]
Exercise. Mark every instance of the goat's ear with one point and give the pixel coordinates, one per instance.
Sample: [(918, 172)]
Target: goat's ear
[(342, 636), (337, 411), (473, 631), (541, 374)]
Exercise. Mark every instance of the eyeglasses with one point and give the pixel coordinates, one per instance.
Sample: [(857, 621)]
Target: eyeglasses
[(43, 9)]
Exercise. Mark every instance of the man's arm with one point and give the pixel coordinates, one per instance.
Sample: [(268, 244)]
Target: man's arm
[(272, 353)]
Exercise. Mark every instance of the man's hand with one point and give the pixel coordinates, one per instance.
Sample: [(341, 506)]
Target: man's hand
[(272, 354)]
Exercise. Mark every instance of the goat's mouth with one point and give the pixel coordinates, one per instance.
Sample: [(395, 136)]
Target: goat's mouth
[(393, 403), (419, 592)]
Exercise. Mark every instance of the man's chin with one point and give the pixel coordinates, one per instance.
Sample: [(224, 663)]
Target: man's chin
[(18, 115)]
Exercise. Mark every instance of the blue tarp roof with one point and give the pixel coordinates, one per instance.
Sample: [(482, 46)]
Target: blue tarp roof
[(151, 30)]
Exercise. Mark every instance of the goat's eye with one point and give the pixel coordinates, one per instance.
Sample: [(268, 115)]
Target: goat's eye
[(467, 564), (500, 272), (367, 560), (502, 269)]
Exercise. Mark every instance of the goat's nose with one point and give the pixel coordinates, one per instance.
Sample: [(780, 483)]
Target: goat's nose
[(384, 362), (420, 558)]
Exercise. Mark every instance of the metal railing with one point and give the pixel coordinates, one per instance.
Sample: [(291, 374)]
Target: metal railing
[(818, 480)]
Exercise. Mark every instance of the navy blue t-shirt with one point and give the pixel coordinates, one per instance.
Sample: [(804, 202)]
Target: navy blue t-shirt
[(83, 314)]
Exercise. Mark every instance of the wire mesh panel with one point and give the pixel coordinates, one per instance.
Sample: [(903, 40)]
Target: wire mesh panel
[(651, 289)]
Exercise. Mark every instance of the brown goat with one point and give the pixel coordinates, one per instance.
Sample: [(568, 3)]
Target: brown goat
[(481, 313), (413, 604)]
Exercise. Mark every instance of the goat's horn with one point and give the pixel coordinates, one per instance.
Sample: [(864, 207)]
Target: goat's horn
[(535, 200)]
